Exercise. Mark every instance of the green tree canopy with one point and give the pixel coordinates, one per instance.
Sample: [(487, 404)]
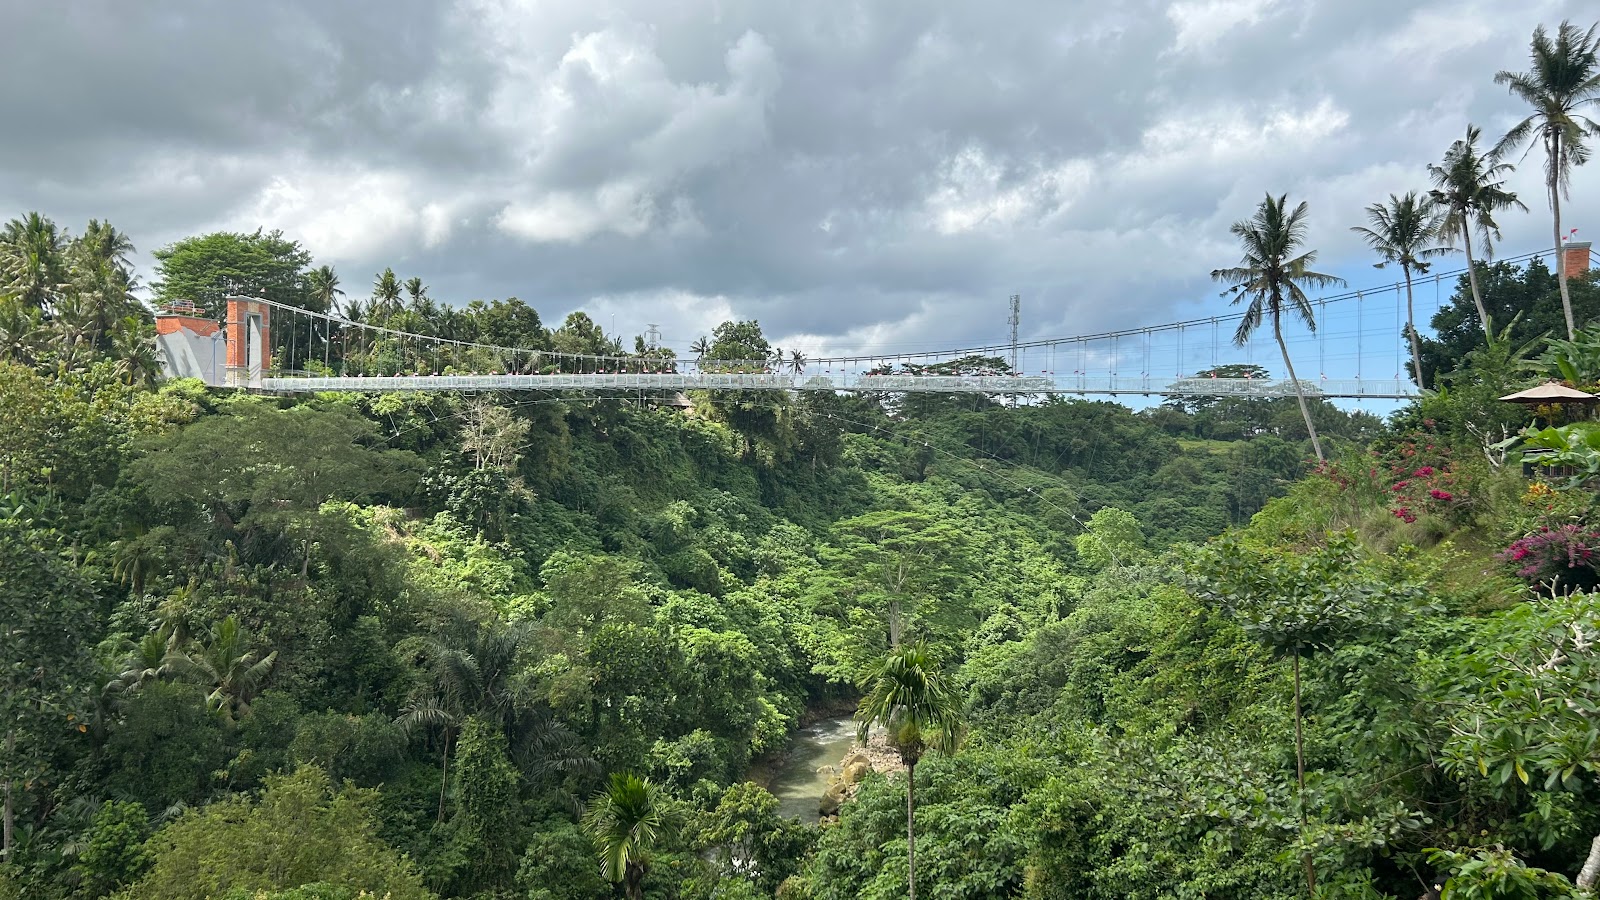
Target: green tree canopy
[(45, 668), (207, 268), (299, 832)]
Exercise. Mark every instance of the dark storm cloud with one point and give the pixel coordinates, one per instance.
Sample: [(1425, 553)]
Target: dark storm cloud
[(852, 174)]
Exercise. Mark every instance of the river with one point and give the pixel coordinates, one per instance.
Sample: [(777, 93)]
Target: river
[(800, 776)]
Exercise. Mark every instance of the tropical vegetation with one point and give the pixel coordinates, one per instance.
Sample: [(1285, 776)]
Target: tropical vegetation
[(552, 645)]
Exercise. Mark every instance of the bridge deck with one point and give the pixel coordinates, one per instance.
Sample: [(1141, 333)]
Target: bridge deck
[(1098, 385)]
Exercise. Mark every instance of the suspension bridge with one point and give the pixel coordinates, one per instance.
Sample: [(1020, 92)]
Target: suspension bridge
[(1358, 351)]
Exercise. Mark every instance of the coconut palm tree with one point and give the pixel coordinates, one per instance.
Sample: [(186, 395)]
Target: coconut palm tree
[(700, 347), (32, 259), (22, 331), (143, 661), (906, 694), (74, 322), (1406, 230), (386, 294), (797, 361), (133, 353), (416, 290), (1563, 81), (465, 668), (625, 821), (102, 246), (322, 285), (1271, 275), (228, 665), (1468, 186)]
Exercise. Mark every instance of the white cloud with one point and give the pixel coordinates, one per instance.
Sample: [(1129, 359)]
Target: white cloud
[(569, 216), (976, 191), (1234, 135), (608, 133), (347, 213), (1201, 23)]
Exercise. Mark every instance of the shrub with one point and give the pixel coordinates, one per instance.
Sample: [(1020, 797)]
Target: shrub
[(1563, 555)]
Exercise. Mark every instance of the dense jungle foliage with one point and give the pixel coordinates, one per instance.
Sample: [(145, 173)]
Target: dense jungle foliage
[(420, 645)]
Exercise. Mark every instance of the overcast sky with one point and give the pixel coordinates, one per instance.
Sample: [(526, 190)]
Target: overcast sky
[(857, 176)]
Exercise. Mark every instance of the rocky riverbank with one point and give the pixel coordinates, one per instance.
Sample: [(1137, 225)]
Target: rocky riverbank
[(874, 756)]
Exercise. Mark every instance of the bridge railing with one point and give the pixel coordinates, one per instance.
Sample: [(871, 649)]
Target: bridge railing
[(1075, 384)]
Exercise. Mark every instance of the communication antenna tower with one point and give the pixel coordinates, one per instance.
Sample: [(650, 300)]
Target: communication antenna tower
[(1016, 323)]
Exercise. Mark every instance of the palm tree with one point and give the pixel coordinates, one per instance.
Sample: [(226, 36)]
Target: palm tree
[(73, 323), (133, 353), (1468, 185), (1270, 274), (323, 286), (103, 247), (103, 241), (416, 290), (1406, 231), (797, 361), (700, 347), (32, 259), (907, 695), (1565, 78), (228, 666), (625, 820), (147, 660), (386, 293), (22, 331), (466, 668)]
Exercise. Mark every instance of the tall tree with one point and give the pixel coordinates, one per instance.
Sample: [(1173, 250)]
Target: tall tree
[(386, 293), (32, 260), (208, 268), (1406, 230), (907, 695), (133, 354), (897, 563), (1469, 186), (1270, 275), (416, 291), (103, 243), (46, 667), (625, 821), (102, 276), (1299, 602), (22, 331), (1563, 81), (322, 285)]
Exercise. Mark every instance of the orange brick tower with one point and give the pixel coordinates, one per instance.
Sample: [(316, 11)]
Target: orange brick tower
[(1575, 258), (249, 342)]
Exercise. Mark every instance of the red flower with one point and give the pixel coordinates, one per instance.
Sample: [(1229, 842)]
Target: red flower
[(1440, 495)]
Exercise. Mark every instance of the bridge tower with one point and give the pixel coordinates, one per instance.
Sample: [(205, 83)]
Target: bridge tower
[(1575, 256), (249, 329)]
